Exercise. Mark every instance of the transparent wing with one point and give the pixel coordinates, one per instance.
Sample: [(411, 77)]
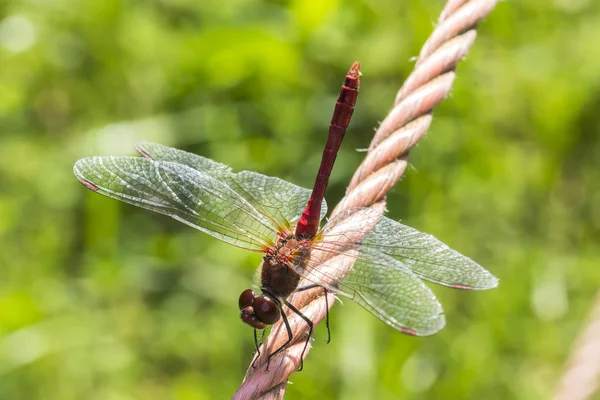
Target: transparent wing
[(278, 200), (385, 288), (428, 257), (183, 193), (158, 152), (388, 262)]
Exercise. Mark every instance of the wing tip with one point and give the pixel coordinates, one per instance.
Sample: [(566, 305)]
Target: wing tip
[(484, 281), (435, 325), (430, 326), (494, 282), (409, 331), (89, 185), (490, 282), (77, 167), (141, 147)]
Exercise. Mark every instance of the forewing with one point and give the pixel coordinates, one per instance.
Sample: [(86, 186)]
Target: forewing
[(428, 257), (280, 201), (158, 152), (273, 196), (183, 193)]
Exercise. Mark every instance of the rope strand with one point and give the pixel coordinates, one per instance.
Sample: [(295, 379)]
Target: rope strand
[(400, 131), (581, 379)]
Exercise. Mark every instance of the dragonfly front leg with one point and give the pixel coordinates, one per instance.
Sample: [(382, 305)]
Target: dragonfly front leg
[(310, 330), (291, 335), (257, 345), (312, 286), (283, 346)]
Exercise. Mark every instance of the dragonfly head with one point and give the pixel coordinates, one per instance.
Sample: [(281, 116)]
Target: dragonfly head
[(258, 311)]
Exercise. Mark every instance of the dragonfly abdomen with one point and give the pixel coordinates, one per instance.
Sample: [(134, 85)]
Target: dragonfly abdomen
[(308, 225)]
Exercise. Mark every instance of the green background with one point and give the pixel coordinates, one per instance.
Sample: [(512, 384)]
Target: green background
[(101, 300)]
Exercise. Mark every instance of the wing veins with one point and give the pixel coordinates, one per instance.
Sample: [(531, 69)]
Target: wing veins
[(165, 205), (262, 211), (236, 207)]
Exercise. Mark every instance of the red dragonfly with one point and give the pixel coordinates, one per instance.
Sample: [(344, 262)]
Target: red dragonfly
[(281, 220)]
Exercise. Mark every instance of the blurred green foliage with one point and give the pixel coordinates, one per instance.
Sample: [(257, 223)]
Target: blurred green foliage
[(100, 300)]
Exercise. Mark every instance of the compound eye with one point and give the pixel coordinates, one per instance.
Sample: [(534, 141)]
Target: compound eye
[(266, 310), (246, 299)]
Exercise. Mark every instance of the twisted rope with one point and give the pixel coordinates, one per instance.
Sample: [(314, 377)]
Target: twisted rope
[(386, 160), (581, 379)]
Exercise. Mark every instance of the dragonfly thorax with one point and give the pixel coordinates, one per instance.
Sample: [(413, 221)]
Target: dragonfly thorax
[(278, 280), (278, 270)]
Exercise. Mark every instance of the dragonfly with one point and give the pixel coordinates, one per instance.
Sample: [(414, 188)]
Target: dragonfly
[(282, 221)]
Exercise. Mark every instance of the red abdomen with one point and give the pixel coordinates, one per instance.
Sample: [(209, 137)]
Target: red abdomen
[(308, 225)]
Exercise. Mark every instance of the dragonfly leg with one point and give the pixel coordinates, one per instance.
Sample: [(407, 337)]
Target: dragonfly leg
[(327, 316), (312, 286), (283, 346), (256, 345), (310, 330), (262, 336)]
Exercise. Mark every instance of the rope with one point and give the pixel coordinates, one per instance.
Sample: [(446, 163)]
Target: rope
[(386, 160), (581, 379)]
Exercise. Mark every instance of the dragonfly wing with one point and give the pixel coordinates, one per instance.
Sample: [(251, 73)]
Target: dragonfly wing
[(280, 201), (381, 269), (183, 193), (376, 281), (428, 257), (158, 152), (274, 196), (382, 285), (393, 294)]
